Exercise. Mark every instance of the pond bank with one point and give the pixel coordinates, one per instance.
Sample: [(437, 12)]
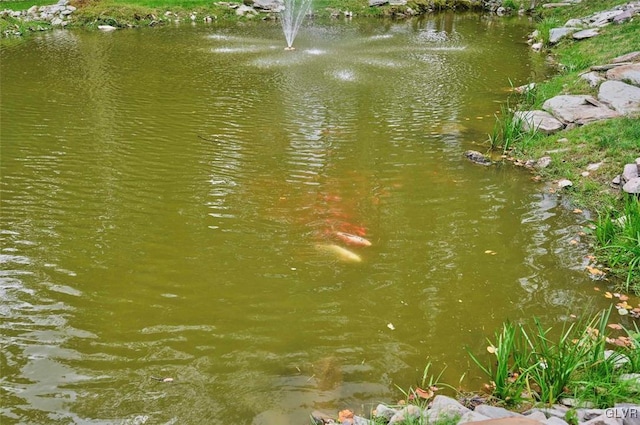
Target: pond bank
[(108, 16)]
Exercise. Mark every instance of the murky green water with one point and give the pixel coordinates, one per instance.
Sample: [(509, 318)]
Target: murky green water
[(168, 197)]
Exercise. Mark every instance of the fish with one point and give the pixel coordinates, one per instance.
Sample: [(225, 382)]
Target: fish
[(342, 253), (352, 239)]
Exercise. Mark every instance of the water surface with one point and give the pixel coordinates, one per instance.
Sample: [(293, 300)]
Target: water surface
[(166, 195)]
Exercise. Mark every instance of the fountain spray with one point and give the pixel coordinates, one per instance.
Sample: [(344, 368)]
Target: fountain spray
[(292, 17)]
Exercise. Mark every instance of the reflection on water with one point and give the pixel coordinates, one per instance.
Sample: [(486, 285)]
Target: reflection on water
[(164, 193)]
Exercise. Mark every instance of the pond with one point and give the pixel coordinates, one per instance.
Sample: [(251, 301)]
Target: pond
[(172, 202)]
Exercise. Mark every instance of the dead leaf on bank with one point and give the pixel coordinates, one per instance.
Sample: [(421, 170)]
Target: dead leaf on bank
[(573, 242), (577, 211), (426, 394), (594, 271)]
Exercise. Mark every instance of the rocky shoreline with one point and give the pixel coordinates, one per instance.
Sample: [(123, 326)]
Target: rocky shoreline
[(446, 408), (60, 14)]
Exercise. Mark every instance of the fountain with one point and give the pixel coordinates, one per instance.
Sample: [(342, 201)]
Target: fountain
[(292, 17)]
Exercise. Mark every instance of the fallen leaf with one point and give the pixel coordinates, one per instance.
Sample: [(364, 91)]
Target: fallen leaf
[(616, 326), (608, 294), (491, 349), (577, 211), (390, 326), (573, 316), (594, 271), (573, 242), (426, 394), (595, 288), (623, 297)]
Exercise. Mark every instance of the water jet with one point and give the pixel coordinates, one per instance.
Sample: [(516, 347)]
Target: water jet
[(291, 18)]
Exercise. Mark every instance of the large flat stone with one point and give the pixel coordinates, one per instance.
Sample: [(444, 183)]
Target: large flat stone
[(555, 34), (629, 73), (578, 109), (623, 97), (541, 121), (629, 57), (588, 33)]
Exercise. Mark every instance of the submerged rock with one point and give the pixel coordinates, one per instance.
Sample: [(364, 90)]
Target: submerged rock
[(477, 157)]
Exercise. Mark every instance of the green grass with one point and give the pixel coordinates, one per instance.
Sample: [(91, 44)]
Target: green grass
[(534, 364), (618, 235)]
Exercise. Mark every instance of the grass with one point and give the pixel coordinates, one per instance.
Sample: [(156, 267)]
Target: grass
[(532, 366), (618, 236), (611, 144)]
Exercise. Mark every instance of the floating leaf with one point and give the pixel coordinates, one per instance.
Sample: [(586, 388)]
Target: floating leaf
[(608, 294), (595, 288), (390, 326), (616, 326), (623, 298), (491, 349)]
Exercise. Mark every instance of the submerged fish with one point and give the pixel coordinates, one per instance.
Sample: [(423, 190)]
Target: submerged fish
[(353, 239), (342, 253)]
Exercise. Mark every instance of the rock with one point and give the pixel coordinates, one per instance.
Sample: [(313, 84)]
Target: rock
[(555, 34), (477, 157), (543, 162), (630, 172), (538, 416), (265, 5), (603, 18), (378, 2), (629, 73), (588, 33), (106, 28), (616, 180), (494, 412), (602, 420), (512, 421), (443, 406), (578, 109), (574, 23), (629, 413), (554, 420), (608, 66), (556, 410), (588, 414), (632, 186), (623, 97), (618, 358), (541, 121), (407, 414), (624, 16), (244, 10), (472, 416), (629, 57), (384, 412), (593, 78), (562, 184), (554, 5), (595, 166), (537, 46)]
